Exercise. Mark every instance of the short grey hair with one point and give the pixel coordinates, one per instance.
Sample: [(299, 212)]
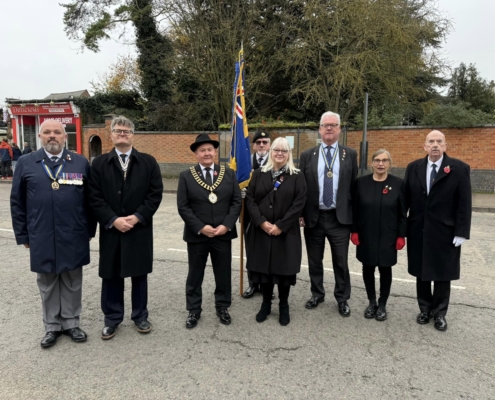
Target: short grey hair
[(330, 114), (381, 151), (122, 121)]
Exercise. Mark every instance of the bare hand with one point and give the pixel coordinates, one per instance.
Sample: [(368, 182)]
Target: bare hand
[(26, 245), (301, 222), (266, 226), (275, 231), (122, 225), (208, 230), (132, 219), (221, 230)]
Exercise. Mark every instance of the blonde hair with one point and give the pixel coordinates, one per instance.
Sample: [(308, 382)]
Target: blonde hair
[(282, 144)]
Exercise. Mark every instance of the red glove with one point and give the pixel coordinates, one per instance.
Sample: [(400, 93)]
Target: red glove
[(401, 242), (355, 239)]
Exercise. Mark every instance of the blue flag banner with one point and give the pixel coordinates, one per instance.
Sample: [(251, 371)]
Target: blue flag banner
[(240, 153)]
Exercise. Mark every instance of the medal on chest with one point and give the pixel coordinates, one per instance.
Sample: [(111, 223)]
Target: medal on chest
[(55, 185)]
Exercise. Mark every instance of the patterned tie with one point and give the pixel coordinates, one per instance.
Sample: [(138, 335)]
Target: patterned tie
[(208, 176), (328, 182), (433, 174), (260, 161)]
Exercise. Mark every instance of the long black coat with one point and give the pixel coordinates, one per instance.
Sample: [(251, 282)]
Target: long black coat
[(436, 218), (131, 253), (56, 224), (379, 219), (347, 179), (279, 255), (197, 211)]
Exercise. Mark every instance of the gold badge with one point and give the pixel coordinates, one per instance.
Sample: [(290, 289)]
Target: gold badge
[(55, 185), (213, 198), (330, 174)]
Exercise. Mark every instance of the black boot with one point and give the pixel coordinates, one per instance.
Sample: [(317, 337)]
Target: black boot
[(381, 313), (265, 310), (284, 317), (370, 311)]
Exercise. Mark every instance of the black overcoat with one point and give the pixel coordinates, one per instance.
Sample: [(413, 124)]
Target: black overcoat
[(277, 255), (436, 218), (197, 211), (379, 218), (131, 253), (56, 224), (347, 179)]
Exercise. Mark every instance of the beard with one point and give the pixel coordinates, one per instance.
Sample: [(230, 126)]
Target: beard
[(262, 153), (53, 147)]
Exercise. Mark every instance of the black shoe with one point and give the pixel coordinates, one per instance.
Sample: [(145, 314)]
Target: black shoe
[(224, 316), (250, 291), (423, 318), (50, 338), (314, 301), (370, 311), (440, 323), (265, 310), (344, 309), (108, 332), (143, 326), (76, 334), (192, 320), (381, 313), (284, 317)]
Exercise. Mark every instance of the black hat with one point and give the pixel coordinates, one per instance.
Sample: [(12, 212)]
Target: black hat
[(260, 135), (202, 139)]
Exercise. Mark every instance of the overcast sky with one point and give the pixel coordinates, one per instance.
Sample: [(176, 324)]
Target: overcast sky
[(38, 59)]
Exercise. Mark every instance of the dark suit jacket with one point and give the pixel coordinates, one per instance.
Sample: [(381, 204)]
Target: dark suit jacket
[(436, 218), (197, 211), (131, 253), (379, 219), (347, 177)]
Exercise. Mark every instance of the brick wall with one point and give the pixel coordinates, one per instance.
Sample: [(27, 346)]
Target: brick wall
[(475, 146)]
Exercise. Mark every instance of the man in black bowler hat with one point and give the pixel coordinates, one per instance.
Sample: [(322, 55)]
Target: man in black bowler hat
[(261, 147), (209, 202)]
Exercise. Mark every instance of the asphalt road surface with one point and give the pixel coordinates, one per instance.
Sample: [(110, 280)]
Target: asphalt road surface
[(318, 355)]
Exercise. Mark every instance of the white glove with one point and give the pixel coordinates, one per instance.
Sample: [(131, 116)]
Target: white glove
[(458, 241), (243, 193)]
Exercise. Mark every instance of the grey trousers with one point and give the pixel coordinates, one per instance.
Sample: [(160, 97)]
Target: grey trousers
[(61, 299)]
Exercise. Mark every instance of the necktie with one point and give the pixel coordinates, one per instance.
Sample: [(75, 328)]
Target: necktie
[(54, 159), (260, 161), (328, 182), (123, 156), (208, 177), (433, 174)]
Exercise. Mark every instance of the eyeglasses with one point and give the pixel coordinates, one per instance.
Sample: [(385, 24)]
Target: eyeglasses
[(326, 126), (122, 132), (280, 151), (261, 142), (384, 161)]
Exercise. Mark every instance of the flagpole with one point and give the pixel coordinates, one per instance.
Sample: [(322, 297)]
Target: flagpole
[(241, 280)]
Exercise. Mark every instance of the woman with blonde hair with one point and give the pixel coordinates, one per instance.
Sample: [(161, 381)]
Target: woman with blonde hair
[(379, 228), (275, 200)]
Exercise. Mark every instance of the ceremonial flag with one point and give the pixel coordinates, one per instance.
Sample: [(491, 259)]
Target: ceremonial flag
[(240, 154)]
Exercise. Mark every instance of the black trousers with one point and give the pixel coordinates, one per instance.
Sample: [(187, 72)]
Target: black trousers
[(112, 299), (5, 168), (220, 252), (385, 282), (328, 227), (437, 302)]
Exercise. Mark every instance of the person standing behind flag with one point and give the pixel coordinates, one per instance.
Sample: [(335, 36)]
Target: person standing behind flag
[(209, 203), (261, 147), (275, 200)]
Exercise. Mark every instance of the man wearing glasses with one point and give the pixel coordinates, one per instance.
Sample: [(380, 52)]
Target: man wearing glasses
[(125, 192), (330, 170), (261, 147)]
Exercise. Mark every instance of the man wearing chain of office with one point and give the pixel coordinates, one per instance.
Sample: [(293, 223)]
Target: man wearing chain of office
[(209, 202)]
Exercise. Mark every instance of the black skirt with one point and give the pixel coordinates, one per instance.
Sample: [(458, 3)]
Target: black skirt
[(283, 280)]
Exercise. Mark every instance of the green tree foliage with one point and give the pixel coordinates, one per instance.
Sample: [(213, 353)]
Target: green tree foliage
[(475, 92), (457, 116)]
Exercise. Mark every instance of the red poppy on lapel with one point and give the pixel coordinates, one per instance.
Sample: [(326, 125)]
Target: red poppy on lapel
[(447, 169), (215, 173), (386, 189)]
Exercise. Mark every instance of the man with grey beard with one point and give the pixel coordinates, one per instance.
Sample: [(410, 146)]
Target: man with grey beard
[(51, 218)]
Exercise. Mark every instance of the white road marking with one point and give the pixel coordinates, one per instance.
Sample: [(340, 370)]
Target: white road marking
[(6, 230), (331, 270)]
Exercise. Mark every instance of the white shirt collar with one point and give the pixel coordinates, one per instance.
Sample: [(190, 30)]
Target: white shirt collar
[(203, 167), (438, 163), (59, 155), (119, 152)]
